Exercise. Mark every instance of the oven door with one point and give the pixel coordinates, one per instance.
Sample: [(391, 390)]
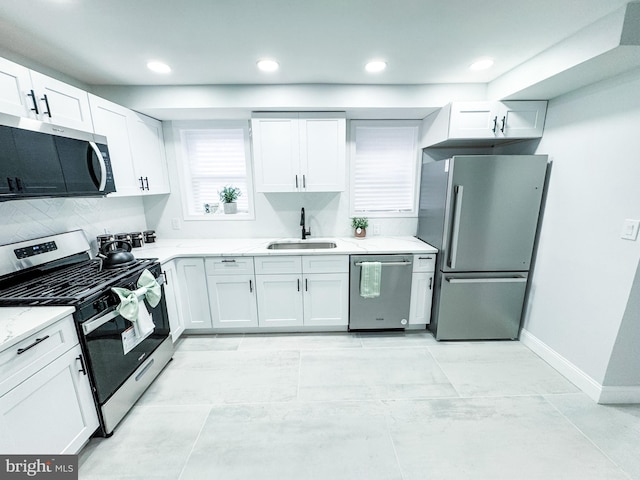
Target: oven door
[(113, 351)]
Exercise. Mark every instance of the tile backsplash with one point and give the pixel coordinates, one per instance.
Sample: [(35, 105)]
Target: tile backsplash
[(27, 219)]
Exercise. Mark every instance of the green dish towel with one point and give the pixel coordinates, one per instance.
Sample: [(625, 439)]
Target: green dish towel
[(370, 279), (147, 286)]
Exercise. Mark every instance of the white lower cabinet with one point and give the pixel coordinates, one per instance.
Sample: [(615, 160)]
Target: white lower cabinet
[(172, 297), (422, 289), (232, 299), (326, 299), (421, 298), (50, 411), (316, 294), (194, 300), (280, 300)]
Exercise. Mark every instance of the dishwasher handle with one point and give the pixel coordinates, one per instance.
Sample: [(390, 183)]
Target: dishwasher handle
[(388, 264)]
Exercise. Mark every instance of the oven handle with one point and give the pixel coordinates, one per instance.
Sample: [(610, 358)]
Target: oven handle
[(91, 325)]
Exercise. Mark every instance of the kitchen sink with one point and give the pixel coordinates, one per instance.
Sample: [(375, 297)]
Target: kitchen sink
[(299, 245)]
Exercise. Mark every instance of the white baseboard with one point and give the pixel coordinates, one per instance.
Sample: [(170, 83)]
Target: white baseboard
[(596, 391), (620, 395)]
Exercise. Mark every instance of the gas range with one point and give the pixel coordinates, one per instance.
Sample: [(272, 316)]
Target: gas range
[(122, 360)]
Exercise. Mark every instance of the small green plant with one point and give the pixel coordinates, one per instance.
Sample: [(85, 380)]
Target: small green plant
[(229, 194), (359, 222)]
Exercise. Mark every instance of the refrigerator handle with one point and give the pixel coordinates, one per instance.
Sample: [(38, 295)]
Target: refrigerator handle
[(453, 251)]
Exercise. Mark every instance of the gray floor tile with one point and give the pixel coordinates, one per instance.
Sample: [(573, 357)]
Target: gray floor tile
[(408, 339), (497, 368), (492, 438), (293, 442), (299, 341), (150, 443), (615, 429), (371, 373), (196, 377), (209, 342)]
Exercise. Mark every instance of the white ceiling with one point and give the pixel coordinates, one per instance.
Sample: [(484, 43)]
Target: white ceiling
[(210, 42)]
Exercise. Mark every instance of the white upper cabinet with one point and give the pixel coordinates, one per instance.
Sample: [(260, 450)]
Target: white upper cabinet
[(30, 94), (299, 152), (150, 163), (136, 147), (484, 123), (114, 122), (15, 85)]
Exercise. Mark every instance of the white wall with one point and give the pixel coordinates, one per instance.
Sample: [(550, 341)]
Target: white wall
[(276, 214), (584, 271), (27, 219)]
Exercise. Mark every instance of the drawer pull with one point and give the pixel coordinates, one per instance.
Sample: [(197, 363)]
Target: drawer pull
[(38, 340), (425, 258), (228, 261)]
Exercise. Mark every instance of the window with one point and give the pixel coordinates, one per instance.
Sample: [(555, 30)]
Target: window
[(214, 155), (384, 168)]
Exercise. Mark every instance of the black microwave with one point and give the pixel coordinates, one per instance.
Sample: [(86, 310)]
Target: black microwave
[(38, 159)]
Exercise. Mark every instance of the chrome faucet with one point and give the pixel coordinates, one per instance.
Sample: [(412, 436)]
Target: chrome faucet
[(305, 232)]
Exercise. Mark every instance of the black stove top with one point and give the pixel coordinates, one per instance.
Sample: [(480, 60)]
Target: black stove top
[(67, 284)]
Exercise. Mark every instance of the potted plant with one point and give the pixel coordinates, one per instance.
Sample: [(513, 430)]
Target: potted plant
[(360, 225), (228, 196)]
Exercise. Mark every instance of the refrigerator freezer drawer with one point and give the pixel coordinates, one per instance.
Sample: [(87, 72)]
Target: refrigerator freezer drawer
[(474, 306)]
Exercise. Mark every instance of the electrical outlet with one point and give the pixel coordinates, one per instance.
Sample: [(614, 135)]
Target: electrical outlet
[(630, 229), (175, 223), (376, 229)]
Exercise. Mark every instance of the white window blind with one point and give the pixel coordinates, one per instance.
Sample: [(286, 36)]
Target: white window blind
[(214, 158), (384, 167)]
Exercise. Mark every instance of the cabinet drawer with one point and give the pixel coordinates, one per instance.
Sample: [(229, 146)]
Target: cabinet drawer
[(38, 350), (425, 262), (229, 265), (278, 264), (325, 264)]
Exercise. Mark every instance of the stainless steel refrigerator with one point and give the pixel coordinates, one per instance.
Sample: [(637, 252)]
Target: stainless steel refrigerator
[(481, 212)]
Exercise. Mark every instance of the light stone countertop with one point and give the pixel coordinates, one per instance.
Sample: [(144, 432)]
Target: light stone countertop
[(168, 249), (18, 323)]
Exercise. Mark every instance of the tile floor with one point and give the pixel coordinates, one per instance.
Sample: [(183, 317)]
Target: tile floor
[(364, 406)]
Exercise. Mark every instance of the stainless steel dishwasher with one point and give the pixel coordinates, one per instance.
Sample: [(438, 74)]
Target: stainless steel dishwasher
[(391, 308)]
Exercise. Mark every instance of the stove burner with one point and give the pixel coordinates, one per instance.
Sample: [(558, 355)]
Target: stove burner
[(67, 285)]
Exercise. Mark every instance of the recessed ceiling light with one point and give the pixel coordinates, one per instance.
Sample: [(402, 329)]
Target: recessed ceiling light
[(375, 66), (158, 67), (481, 64), (268, 65)]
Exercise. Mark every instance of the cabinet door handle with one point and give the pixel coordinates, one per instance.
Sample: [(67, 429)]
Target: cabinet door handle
[(166, 280), (430, 282), (46, 102), (146, 181), (83, 367), (35, 102), (304, 181), (19, 184), (10, 183), (141, 183), (296, 181), (504, 122), (38, 340), (495, 124), (306, 284), (250, 286), (298, 284)]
